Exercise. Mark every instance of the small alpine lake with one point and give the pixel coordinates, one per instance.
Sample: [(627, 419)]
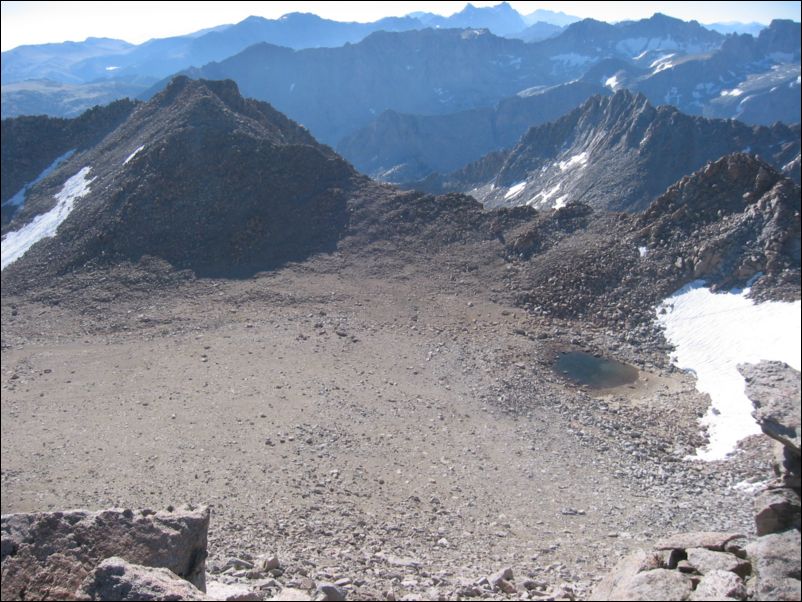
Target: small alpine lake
[(595, 372)]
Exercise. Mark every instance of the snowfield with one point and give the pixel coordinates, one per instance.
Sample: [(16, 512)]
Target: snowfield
[(712, 334)]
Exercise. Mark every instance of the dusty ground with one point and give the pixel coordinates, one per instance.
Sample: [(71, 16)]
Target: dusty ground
[(406, 433)]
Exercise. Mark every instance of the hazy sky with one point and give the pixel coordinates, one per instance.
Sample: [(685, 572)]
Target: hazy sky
[(41, 22)]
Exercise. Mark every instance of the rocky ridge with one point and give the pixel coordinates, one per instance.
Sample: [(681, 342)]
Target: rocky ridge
[(400, 147), (30, 144), (726, 222), (598, 154)]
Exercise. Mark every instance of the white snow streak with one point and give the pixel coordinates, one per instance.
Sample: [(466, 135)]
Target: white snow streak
[(515, 190), (546, 195), (734, 92), (663, 63), (713, 333), (17, 243), (133, 154), (18, 200), (576, 161)]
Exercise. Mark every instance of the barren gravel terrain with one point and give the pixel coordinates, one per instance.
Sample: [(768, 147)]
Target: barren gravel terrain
[(399, 431)]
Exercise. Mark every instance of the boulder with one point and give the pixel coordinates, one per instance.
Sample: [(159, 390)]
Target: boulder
[(49, 554), (657, 584), (776, 564), (330, 592), (707, 561), (620, 580), (720, 585), (774, 388), (777, 510), (501, 580), (116, 579)]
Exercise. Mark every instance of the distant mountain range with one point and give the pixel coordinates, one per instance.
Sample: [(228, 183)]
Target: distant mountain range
[(755, 80), (65, 79), (615, 153), (400, 147), (101, 58), (335, 91)]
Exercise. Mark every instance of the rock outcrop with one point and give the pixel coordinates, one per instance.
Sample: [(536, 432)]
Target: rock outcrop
[(774, 388), (47, 555)]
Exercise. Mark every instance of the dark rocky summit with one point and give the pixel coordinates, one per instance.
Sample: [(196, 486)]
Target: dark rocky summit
[(203, 178)]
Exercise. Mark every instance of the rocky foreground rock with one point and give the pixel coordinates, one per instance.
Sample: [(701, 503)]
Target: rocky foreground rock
[(48, 555)]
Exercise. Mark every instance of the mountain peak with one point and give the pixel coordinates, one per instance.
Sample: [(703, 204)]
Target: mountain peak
[(218, 104)]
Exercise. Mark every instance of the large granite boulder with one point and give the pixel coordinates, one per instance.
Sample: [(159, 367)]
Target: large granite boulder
[(776, 561), (116, 579), (47, 555)]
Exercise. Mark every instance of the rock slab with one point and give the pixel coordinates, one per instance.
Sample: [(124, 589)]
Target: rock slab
[(774, 388), (47, 555)]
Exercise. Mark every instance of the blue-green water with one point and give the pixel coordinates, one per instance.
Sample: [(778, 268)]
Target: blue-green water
[(595, 372)]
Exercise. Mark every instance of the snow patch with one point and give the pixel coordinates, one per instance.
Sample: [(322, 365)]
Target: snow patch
[(546, 195), (561, 202), (17, 243), (662, 63), (643, 251), (712, 334), (579, 160), (18, 200), (734, 92), (133, 154), (515, 190), (612, 82)]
